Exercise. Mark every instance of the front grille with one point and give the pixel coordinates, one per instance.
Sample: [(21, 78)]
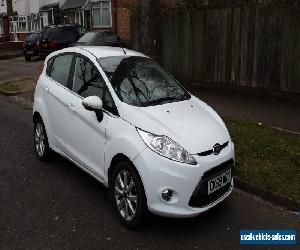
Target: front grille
[(211, 151), (200, 197)]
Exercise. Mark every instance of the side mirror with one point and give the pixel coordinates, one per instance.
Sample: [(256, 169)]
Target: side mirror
[(92, 103)]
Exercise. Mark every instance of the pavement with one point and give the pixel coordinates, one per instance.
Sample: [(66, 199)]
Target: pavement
[(55, 205), (10, 54), (9, 50), (18, 67), (279, 114)]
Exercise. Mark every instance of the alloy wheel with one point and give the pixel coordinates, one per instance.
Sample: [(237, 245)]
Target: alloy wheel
[(126, 195), (39, 138)]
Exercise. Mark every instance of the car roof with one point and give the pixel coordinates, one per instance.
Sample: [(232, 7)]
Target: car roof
[(105, 51), (101, 51)]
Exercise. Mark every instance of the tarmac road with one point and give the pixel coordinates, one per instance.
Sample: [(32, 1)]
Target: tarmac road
[(18, 67), (55, 205)]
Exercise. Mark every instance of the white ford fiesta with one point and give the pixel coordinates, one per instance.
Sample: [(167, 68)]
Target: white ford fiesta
[(120, 117)]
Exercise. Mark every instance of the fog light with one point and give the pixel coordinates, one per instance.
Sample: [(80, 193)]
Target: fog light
[(167, 195)]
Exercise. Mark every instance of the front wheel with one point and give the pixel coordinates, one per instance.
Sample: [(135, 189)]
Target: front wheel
[(41, 144), (128, 195)]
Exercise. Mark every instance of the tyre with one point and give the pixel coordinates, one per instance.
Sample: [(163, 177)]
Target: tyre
[(128, 195), (41, 144), (27, 58)]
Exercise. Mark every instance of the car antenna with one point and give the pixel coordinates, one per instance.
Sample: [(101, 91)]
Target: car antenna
[(124, 51)]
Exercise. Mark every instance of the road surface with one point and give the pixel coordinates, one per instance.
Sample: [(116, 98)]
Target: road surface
[(55, 205)]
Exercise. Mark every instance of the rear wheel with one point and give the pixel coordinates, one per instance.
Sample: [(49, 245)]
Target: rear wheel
[(41, 144), (128, 195)]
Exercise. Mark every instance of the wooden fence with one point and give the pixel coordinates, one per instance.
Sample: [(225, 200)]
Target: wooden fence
[(256, 46)]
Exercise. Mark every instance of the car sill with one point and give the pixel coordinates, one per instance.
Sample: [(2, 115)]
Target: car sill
[(77, 164)]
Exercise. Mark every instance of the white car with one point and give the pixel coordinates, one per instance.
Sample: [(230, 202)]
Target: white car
[(123, 119)]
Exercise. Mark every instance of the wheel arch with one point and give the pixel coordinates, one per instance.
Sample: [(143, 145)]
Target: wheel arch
[(36, 115), (115, 160)]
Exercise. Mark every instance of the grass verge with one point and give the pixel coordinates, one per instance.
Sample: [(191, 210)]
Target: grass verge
[(18, 85), (267, 158)]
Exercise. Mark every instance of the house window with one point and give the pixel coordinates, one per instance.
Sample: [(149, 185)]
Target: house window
[(18, 24), (1, 24), (101, 13)]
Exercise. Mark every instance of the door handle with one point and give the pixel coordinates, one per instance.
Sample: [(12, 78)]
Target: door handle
[(46, 88), (71, 108)]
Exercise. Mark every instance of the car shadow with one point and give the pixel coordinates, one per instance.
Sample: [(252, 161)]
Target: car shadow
[(99, 197)]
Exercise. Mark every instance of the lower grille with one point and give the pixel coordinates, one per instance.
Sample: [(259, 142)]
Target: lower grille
[(200, 197)]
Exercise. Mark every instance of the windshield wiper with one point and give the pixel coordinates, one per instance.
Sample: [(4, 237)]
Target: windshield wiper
[(161, 100)]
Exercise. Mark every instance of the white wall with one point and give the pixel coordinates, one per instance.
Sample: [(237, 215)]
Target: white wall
[(4, 7), (34, 6), (21, 6), (26, 7)]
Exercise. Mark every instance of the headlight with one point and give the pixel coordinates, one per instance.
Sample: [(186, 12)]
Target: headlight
[(166, 147)]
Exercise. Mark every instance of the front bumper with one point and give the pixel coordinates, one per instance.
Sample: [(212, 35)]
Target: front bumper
[(159, 173)]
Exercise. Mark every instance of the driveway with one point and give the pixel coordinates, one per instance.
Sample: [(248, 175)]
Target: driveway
[(56, 205)]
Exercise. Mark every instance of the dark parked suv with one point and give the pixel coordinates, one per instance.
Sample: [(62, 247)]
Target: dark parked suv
[(57, 37), (31, 46)]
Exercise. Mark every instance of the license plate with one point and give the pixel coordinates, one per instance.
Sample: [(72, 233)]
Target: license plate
[(219, 181), (44, 45), (29, 52)]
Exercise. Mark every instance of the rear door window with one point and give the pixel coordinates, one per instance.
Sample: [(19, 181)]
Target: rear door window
[(60, 69)]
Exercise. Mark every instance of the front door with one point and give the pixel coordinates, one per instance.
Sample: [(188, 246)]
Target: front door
[(85, 134)]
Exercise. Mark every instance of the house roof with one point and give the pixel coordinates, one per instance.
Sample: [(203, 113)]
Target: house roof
[(48, 6), (73, 4)]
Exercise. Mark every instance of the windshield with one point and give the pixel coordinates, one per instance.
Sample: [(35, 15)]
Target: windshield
[(139, 81), (88, 37)]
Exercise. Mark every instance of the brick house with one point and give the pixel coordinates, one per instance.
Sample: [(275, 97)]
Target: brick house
[(122, 14), (32, 15)]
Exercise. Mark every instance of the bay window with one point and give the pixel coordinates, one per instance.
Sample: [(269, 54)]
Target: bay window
[(101, 12)]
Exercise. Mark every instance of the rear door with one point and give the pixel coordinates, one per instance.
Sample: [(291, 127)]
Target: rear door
[(57, 96)]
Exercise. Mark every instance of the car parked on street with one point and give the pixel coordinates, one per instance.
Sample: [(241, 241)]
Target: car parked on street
[(102, 38), (56, 37), (127, 122), (31, 46)]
